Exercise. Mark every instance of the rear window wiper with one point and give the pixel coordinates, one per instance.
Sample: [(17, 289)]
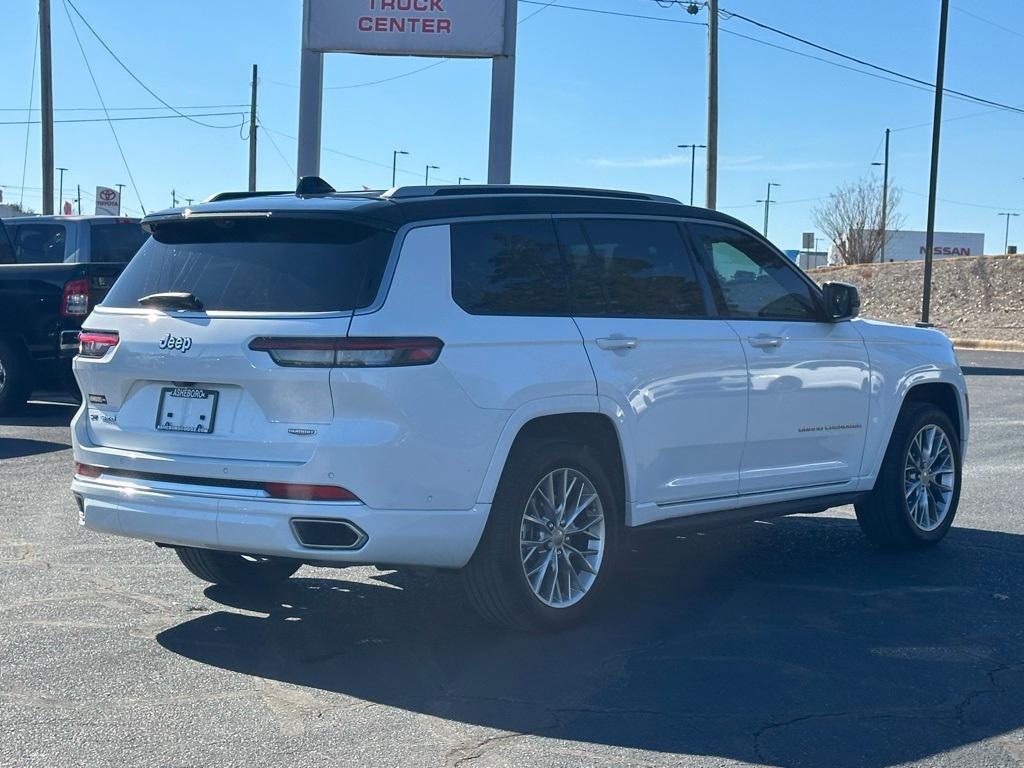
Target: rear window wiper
[(179, 300)]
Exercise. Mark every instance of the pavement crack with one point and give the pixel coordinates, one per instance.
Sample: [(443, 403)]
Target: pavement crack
[(475, 750)]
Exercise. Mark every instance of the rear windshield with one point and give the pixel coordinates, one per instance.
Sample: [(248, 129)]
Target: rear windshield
[(259, 265), (115, 240)]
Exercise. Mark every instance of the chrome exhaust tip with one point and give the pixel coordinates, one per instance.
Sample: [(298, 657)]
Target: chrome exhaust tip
[(328, 533)]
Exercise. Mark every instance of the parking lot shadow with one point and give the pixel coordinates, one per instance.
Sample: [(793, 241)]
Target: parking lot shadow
[(14, 447), (793, 644), (41, 414)]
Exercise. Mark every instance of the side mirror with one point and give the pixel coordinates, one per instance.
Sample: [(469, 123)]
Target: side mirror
[(842, 302)]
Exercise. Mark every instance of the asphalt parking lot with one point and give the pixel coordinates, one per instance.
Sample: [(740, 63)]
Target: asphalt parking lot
[(793, 643)]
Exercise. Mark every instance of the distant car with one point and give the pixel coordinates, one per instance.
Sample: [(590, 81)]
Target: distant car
[(42, 307), (497, 379), (74, 239)]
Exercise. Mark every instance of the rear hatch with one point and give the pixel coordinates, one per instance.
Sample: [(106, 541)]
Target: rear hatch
[(183, 373)]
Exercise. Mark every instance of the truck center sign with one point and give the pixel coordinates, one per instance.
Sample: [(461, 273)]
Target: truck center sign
[(473, 28)]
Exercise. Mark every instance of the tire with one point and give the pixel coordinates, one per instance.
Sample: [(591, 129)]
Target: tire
[(496, 578), (236, 570), (15, 377), (887, 517)]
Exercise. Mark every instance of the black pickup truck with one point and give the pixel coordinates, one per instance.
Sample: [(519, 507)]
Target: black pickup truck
[(42, 307)]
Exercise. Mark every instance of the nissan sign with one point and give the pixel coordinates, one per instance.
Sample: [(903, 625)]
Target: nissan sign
[(474, 28)]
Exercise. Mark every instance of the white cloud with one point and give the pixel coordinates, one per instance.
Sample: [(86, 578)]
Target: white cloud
[(639, 162)]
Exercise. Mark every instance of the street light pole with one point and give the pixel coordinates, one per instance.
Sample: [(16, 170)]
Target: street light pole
[(1006, 239), (426, 175), (885, 195), (60, 195), (463, 178), (693, 159), (394, 163), (929, 240), (767, 202)]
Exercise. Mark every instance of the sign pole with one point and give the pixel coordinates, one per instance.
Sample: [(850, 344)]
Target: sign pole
[(311, 81), (311, 99), (503, 86)]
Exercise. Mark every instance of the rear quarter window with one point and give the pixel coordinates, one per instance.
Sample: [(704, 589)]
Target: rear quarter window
[(508, 267), (259, 265)]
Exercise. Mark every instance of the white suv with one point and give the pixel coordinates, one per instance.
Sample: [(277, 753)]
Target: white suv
[(502, 380)]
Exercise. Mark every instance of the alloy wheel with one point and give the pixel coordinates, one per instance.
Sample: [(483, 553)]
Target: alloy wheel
[(562, 537), (929, 477)]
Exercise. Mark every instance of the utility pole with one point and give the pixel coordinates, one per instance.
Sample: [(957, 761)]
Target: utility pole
[(252, 134), (693, 159), (60, 194), (711, 183), (1006, 240), (79, 200), (394, 164), (426, 176), (174, 199), (119, 193), (767, 202), (46, 103), (885, 195), (933, 182)]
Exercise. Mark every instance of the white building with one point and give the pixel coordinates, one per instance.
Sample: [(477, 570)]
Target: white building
[(908, 245)]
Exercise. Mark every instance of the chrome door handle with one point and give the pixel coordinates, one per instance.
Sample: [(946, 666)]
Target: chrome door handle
[(765, 342), (616, 342)]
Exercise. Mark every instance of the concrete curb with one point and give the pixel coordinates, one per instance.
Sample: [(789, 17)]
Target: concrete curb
[(990, 344)]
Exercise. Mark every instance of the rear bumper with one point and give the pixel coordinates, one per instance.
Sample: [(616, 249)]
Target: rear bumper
[(245, 522)]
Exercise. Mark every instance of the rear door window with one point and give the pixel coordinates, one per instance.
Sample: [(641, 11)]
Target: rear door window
[(508, 267), (259, 265), (115, 241), (631, 268), (39, 243)]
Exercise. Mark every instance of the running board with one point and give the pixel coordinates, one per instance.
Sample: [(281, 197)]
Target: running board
[(728, 517)]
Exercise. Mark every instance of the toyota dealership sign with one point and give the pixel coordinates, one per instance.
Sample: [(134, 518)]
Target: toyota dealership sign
[(407, 27)]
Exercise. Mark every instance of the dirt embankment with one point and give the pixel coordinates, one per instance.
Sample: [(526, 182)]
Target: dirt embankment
[(977, 297)]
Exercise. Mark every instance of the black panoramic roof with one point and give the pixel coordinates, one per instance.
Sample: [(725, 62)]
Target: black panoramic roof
[(396, 207)]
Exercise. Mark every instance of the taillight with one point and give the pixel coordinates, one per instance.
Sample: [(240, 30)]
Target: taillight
[(309, 492), (74, 300), (350, 352), (96, 343), (87, 470)]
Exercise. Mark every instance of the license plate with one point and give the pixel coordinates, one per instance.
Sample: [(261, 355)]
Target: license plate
[(187, 409)]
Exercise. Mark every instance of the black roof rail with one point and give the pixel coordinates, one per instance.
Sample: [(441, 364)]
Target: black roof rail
[(400, 193), (242, 195)]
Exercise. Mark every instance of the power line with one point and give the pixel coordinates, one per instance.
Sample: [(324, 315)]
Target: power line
[(124, 109), (864, 63), (134, 77), (28, 128), (354, 157), (133, 118), (99, 95), (273, 143), (614, 13), (982, 19)]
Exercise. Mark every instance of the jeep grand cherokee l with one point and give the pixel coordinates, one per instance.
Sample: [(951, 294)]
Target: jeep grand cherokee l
[(501, 380)]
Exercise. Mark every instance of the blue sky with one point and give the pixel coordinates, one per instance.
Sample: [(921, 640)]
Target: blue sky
[(601, 101)]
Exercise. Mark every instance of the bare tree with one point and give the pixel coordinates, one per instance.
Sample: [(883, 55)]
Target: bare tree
[(852, 219)]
